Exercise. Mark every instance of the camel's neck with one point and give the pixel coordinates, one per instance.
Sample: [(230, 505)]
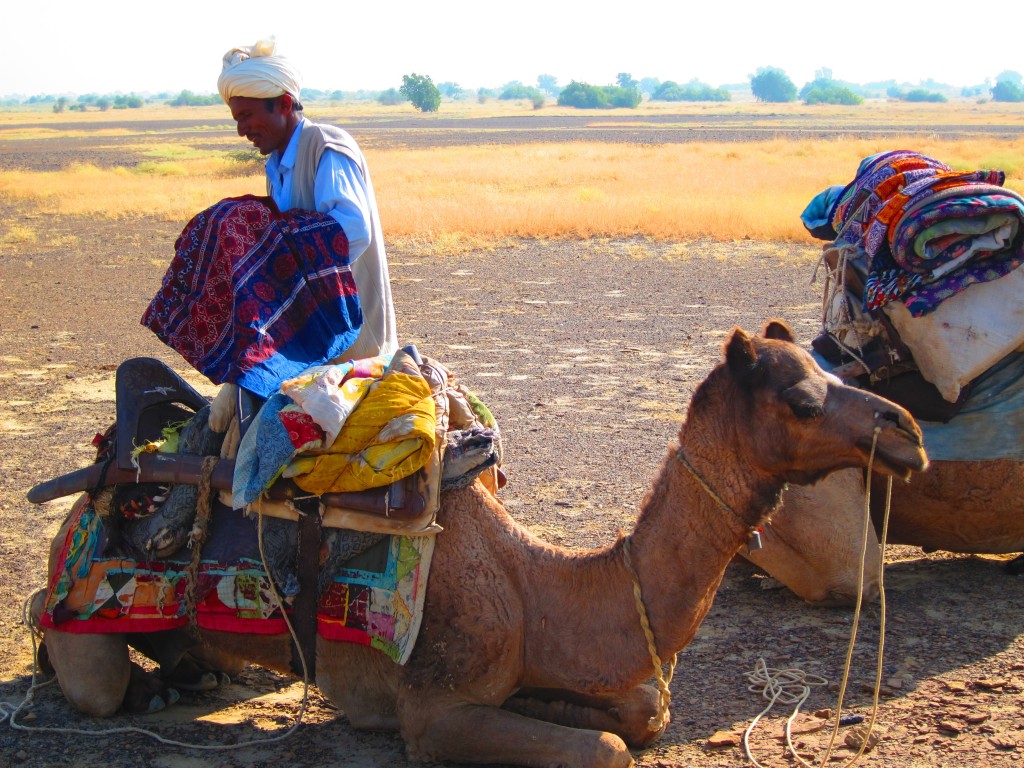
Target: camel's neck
[(692, 524)]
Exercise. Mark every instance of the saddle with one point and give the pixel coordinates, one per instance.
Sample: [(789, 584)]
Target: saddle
[(149, 395)]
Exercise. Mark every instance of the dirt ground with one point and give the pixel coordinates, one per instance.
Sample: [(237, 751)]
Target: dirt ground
[(587, 352)]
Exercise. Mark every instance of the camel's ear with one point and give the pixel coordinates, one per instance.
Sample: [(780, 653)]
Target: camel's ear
[(741, 357), (777, 329)]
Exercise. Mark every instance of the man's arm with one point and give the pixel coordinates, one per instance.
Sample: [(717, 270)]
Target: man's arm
[(340, 190)]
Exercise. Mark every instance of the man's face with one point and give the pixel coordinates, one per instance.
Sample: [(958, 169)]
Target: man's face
[(267, 130)]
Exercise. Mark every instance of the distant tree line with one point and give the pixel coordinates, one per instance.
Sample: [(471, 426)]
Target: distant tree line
[(189, 99), (916, 94), (102, 103), (768, 84)]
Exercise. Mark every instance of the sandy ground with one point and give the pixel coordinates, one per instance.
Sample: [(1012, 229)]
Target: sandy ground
[(587, 352)]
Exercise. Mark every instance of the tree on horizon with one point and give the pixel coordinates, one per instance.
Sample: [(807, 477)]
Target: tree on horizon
[(421, 92), (773, 85)]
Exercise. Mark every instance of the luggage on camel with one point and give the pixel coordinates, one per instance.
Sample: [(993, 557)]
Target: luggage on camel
[(922, 292), (154, 403)]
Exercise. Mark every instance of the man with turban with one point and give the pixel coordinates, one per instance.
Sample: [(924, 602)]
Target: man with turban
[(315, 167)]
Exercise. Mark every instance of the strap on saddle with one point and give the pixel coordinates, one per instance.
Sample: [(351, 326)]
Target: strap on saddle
[(304, 606)]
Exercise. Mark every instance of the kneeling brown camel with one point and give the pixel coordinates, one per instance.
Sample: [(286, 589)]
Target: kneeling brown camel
[(813, 543), (531, 654)]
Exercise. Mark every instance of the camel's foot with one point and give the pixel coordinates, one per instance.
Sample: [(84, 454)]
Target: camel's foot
[(437, 731), (190, 675), (1015, 567), (147, 693)]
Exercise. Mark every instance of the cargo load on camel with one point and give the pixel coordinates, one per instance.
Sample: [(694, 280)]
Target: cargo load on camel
[(324, 461), (923, 298)]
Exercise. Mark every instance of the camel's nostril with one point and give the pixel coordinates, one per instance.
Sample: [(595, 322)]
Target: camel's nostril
[(890, 416)]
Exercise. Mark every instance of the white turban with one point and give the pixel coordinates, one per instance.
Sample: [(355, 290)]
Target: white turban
[(256, 72)]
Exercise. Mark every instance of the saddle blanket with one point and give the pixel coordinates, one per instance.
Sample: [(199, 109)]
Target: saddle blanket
[(375, 599)]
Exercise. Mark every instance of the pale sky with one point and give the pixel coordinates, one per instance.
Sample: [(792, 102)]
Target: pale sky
[(109, 46)]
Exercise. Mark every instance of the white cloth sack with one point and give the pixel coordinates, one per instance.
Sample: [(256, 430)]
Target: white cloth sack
[(966, 334)]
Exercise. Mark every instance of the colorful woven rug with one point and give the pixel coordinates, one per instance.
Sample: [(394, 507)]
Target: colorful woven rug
[(254, 296), (375, 600)]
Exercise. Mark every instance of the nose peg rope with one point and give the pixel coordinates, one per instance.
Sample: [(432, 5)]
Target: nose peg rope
[(792, 686)]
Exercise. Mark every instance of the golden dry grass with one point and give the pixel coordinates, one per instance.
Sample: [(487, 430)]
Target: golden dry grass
[(172, 192), (466, 196), (674, 191)]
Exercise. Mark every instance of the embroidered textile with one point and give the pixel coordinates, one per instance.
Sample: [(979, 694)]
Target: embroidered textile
[(375, 599), (254, 296)]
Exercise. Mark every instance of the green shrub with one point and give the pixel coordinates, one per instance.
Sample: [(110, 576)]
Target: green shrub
[(514, 91), (771, 84), (586, 96), (832, 94), (1005, 90), (691, 91), (583, 96), (921, 94)]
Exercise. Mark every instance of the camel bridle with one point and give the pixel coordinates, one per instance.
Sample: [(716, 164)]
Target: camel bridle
[(753, 531)]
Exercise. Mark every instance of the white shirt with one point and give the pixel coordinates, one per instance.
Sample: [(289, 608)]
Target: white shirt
[(339, 190)]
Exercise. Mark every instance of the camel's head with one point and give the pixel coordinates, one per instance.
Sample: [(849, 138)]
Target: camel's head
[(799, 423)]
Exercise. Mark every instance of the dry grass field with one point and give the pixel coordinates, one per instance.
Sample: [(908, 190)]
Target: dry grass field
[(580, 272)]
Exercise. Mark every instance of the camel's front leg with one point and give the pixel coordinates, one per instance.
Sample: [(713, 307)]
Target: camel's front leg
[(633, 715), (436, 730), (95, 672)]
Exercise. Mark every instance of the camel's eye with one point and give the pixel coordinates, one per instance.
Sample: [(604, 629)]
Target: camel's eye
[(806, 399)]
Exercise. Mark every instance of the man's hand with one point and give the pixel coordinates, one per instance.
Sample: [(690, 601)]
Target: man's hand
[(232, 438), (223, 408)]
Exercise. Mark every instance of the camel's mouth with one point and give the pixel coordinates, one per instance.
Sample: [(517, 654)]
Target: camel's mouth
[(898, 452)]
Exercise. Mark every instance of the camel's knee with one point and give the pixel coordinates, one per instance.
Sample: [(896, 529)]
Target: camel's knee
[(611, 751), (93, 671), (36, 606)]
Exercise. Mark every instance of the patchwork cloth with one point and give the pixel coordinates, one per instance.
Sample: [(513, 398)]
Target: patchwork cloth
[(254, 296), (375, 599)]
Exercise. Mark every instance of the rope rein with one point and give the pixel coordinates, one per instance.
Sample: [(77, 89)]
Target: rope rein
[(768, 681), (661, 719)]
